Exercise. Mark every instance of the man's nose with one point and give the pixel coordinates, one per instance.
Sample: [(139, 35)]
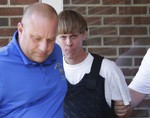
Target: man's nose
[(43, 46)]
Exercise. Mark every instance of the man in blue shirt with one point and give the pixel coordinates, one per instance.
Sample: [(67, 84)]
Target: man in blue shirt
[(32, 81)]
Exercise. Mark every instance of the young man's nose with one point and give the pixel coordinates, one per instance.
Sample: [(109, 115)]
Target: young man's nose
[(68, 42)]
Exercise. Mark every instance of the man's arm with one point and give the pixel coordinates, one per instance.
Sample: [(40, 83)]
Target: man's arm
[(136, 97)]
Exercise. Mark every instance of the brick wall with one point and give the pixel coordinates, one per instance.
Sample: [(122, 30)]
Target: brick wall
[(118, 30)]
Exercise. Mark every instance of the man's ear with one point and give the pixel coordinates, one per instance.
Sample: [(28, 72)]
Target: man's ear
[(20, 29), (84, 35)]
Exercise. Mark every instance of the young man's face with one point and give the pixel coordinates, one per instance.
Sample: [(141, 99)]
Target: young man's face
[(71, 44)]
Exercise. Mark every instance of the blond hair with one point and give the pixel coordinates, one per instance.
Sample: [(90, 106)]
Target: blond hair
[(71, 22)]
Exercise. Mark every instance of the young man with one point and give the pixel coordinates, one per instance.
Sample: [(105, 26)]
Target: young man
[(32, 81), (95, 84)]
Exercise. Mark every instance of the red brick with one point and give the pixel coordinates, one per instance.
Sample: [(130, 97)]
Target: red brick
[(7, 31), (142, 20), (85, 1), (101, 10), (103, 51), (93, 41), (3, 21), (113, 41), (132, 10), (117, 20), (141, 1), (142, 41), (14, 21), (133, 30), (22, 2), (66, 2), (135, 51), (3, 2), (102, 31), (11, 11), (3, 42), (114, 2), (93, 20)]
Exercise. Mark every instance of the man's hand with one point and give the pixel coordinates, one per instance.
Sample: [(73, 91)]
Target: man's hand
[(121, 110)]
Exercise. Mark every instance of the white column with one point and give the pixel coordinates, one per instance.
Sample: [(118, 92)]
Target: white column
[(57, 4)]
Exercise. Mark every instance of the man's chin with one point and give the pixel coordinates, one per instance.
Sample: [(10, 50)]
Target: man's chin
[(39, 60)]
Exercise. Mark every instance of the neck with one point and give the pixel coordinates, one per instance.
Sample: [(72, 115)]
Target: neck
[(78, 59)]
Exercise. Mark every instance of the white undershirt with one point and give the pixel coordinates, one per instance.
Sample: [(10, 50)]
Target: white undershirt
[(115, 85)]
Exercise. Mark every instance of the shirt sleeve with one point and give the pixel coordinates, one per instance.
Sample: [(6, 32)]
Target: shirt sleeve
[(141, 81), (115, 84)]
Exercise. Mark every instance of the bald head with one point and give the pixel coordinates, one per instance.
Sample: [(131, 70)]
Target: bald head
[(37, 31), (40, 10)]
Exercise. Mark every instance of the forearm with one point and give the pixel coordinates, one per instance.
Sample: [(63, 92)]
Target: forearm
[(136, 98)]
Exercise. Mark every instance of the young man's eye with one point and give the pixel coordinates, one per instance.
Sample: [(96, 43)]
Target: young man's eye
[(74, 36), (63, 37)]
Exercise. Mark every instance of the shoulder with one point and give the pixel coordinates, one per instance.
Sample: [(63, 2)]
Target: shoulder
[(3, 51), (108, 63), (6, 53), (109, 69)]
